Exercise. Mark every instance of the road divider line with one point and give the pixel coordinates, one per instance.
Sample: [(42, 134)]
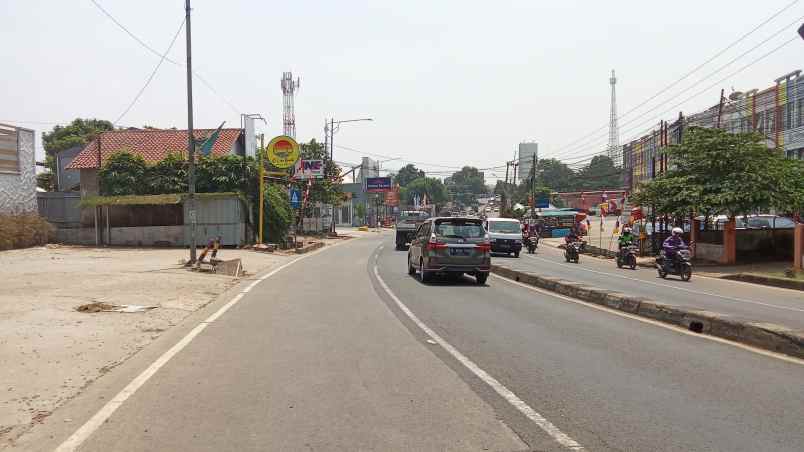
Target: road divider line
[(772, 337), (88, 428), (548, 427), (667, 286)]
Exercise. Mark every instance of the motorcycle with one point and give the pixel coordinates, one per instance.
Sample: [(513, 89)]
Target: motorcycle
[(627, 256), (572, 252), (532, 243), (680, 265)]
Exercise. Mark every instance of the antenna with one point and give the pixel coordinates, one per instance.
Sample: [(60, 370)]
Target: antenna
[(613, 150), (289, 87)]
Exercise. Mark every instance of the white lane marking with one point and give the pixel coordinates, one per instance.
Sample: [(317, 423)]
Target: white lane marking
[(697, 292), (554, 432), (667, 326), (76, 439)]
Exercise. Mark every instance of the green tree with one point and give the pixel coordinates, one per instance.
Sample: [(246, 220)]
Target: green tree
[(601, 173), (434, 189), (47, 180), (78, 132), (123, 174), (278, 213), (715, 172), (328, 189), (407, 174), (556, 175), (168, 175), (466, 185)]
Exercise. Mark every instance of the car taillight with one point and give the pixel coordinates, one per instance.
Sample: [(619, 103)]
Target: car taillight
[(485, 246), (434, 244)]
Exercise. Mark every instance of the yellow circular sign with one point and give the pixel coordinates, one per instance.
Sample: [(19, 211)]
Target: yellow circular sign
[(283, 151)]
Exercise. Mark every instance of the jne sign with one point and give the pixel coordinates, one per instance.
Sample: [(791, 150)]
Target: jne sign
[(309, 169)]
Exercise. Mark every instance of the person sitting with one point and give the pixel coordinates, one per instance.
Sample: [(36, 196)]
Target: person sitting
[(674, 243), (571, 237), (626, 238)]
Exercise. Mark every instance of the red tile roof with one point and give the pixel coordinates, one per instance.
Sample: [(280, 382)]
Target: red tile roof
[(152, 145)]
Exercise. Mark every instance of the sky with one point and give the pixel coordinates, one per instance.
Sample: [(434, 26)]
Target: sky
[(447, 83)]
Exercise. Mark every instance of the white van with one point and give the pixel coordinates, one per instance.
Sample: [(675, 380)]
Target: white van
[(505, 235)]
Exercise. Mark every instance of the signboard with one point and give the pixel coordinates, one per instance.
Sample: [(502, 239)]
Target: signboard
[(309, 169), (283, 151), (392, 198), (542, 202), (378, 184), (295, 198)]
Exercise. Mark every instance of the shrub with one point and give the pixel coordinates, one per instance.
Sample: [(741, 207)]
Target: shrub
[(22, 231)]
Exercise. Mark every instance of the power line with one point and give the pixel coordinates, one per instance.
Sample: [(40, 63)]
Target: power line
[(166, 58), (150, 77), (710, 75), (685, 76)]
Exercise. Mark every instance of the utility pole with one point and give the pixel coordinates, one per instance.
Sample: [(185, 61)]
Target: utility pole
[(720, 108), (533, 187), (190, 137)]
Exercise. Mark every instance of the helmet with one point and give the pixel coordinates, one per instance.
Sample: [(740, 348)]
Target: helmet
[(626, 230), (677, 231)]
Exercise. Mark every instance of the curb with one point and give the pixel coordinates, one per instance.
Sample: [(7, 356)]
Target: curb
[(766, 280), (310, 247), (768, 336)]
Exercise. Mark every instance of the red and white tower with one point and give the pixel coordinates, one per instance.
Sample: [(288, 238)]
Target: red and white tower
[(289, 87)]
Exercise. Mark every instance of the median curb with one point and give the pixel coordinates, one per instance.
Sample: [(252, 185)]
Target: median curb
[(768, 336), (766, 280), (311, 247)]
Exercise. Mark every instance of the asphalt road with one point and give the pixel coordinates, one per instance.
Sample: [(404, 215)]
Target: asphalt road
[(608, 381), (322, 356), (737, 299)]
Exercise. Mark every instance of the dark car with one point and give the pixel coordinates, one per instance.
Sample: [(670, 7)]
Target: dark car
[(451, 246)]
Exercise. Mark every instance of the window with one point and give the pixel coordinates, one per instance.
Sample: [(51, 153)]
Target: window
[(458, 228), (9, 151), (800, 112), (505, 227)]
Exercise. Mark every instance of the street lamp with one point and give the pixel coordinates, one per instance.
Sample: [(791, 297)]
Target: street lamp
[(329, 134)]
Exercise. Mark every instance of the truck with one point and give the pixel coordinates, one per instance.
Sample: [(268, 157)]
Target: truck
[(409, 221)]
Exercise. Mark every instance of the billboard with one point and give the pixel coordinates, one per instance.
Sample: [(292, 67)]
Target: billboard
[(309, 169), (378, 184), (392, 198), (250, 136), (283, 152)]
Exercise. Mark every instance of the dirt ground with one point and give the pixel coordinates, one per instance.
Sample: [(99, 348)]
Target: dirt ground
[(49, 351)]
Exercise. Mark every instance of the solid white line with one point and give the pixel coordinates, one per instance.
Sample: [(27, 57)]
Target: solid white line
[(89, 427), (667, 326), (677, 287), (498, 387)]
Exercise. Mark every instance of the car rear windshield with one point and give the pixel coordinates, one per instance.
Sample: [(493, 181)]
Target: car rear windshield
[(459, 228), (504, 227)]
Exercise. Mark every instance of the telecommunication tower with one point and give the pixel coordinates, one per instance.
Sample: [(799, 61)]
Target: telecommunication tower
[(289, 87), (613, 149)]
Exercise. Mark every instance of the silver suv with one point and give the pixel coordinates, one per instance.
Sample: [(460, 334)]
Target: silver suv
[(450, 245)]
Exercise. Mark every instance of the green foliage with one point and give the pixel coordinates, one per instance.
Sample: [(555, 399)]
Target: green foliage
[(326, 190), (223, 173), (123, 174), (169, 175), (466, 185), (278, 213), (434, 189), (78, 132), (600, 174), (407, 174), (715, 172), (360, 211), (556, 175)]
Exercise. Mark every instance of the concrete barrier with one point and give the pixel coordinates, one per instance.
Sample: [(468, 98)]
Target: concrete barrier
[(309, 247), (767, 336)]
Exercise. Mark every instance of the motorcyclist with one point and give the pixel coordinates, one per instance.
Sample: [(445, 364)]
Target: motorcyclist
[(572, 236), (626, 238), (674, 243)]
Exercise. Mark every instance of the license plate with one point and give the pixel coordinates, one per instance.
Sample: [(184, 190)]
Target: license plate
[(460, 252)]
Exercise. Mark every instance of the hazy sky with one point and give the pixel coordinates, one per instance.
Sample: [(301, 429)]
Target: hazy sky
[(447, 82)]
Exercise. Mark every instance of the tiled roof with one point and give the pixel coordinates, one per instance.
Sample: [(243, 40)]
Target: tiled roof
[(152, 145)]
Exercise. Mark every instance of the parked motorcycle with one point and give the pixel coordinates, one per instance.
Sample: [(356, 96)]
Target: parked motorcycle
[(680, 265), (627, 256), (572, 252)]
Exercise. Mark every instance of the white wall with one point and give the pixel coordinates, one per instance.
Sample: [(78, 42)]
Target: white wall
[(18, 191)]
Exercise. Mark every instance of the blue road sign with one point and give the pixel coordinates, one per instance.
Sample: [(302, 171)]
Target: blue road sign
[(542, 202), (295, 198)]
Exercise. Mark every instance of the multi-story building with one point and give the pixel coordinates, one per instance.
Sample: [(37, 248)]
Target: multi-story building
[(776, 112), (525, 157)]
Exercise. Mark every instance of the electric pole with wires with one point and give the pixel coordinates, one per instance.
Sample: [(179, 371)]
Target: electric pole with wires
[(190, 138)]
